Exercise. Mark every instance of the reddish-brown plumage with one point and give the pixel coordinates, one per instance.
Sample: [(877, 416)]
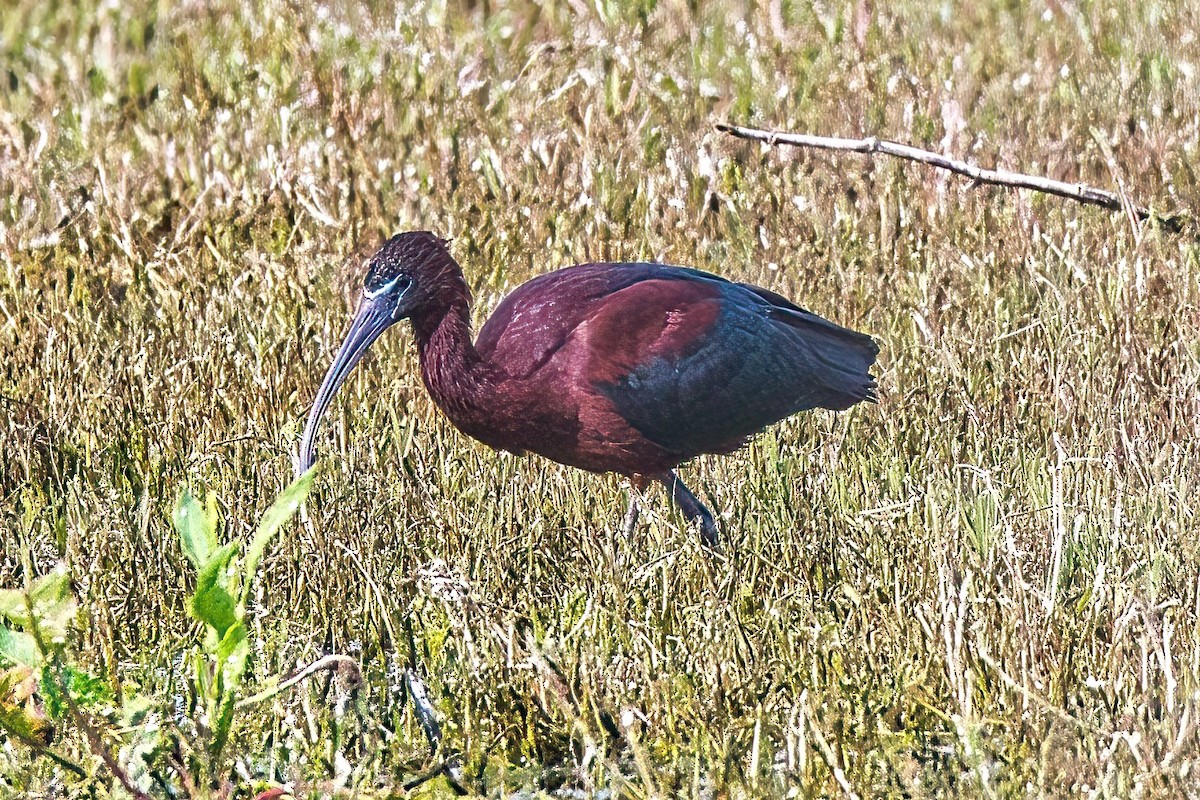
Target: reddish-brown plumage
[(648, 320), (531, 387), (628, 368)]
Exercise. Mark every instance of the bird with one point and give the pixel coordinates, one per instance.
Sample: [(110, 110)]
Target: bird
[(630, 368)]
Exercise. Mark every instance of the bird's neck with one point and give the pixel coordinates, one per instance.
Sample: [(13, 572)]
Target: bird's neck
[(451, 367)]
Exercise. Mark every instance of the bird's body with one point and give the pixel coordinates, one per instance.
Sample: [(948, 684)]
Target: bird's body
[(631, 368), (637, 368)]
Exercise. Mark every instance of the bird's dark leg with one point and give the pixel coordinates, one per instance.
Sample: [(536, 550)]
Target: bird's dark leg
[(637, 485), (691, 507), (631, 515)]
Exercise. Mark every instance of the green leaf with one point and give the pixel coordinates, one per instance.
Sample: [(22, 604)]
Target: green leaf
[(53, 604), (46, 595), (283, 509), (197, 526), (51, 587), (19, 648), (212, 603), (53, 611), (12, 605), (202, 674), (86, 689), (232, 654)]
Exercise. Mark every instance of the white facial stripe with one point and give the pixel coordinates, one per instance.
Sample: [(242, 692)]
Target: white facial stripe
[(387, 287)]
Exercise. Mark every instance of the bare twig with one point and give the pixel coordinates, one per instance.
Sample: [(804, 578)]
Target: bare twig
[(95, 740), (47, 751), (999, 177), (178, 762), (427, 715), (329, 662), (443, 768)]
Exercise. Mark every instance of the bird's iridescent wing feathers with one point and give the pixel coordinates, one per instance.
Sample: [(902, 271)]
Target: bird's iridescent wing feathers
[(726, 362), (694, 362)]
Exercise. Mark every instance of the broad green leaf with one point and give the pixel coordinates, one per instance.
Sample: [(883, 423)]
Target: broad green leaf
[(12, 606), (211, 603), (49, 596), (223, 721), (86, 689), (56, 619), (53, 604), (17, 647), (53, 609), (197, 526), (52, 587), (233, 650), (283, 509), (232, 654)]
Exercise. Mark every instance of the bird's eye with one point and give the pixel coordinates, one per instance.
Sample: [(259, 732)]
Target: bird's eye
[(399, 283)]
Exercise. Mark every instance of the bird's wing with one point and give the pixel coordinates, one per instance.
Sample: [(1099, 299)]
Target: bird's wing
[(694, 362), (538, 318), (697, 364)]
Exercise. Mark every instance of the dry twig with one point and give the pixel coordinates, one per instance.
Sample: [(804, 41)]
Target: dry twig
[(1079, 192), (344, 664)]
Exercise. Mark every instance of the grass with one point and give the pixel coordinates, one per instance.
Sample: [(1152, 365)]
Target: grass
[(988, 584)]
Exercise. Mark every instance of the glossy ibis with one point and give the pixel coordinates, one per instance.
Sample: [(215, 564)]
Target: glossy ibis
[(628, 368)]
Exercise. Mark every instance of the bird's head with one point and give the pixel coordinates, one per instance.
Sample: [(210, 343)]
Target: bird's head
[(410, 274)]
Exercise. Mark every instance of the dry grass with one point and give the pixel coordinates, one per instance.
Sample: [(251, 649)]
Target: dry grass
[(986, 585)]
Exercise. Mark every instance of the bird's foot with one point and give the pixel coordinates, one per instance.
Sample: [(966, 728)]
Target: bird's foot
[(693, 510), (708, 530)]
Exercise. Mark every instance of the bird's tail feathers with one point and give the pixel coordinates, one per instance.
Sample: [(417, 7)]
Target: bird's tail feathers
[(842, 358)]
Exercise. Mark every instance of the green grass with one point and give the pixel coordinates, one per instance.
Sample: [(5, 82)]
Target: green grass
[(986, 585)]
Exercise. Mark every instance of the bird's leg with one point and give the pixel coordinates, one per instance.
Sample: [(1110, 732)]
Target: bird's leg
[(631, 516), (691, 507), (637, 485)]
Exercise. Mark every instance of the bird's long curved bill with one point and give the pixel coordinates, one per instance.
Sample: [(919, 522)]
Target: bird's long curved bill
[(370, 320)]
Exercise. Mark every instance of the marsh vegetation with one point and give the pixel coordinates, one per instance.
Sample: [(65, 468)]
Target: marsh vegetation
[(987, 584)]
